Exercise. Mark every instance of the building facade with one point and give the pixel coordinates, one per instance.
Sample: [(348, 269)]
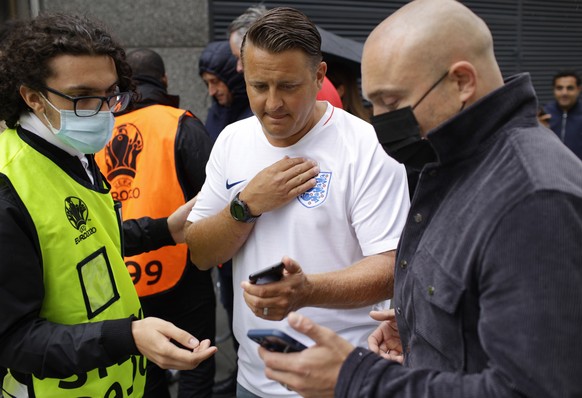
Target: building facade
[(535, 36)]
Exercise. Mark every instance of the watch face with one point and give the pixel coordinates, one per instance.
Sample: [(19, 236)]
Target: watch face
[(237, 211)]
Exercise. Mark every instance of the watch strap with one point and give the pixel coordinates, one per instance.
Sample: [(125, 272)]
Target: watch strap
[(240, 211)]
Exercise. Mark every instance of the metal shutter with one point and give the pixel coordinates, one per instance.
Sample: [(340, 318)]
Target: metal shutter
[(351, 19), (551, 41), (536, 36)]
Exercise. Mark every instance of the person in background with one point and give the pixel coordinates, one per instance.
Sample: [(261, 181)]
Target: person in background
[(345, 80), (72, 324), (226, 87), (239, 26), (566, 110), (155, 162), (487, 281), (300, 182), (236, 32)]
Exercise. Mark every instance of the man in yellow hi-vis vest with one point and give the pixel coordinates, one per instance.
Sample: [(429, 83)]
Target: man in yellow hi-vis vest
[(155, 162), (71, 321)]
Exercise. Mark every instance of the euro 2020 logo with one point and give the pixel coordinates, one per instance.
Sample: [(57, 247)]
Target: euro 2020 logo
[(77, 213)]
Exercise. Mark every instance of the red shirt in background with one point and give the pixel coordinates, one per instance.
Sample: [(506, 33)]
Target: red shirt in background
[(329, 94)]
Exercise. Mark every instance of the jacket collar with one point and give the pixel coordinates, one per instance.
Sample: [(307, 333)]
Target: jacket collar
[(512, 104), (153, 92)]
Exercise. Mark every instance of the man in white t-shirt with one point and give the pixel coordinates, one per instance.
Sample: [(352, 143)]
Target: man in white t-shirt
[(304, 182)]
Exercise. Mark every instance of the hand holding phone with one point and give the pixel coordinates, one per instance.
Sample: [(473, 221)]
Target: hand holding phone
[(275, 340), (270, 274)]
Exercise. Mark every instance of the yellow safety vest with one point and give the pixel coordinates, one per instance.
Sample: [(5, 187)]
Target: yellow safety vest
[(85, 279)]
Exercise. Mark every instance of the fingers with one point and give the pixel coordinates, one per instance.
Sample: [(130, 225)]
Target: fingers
[(280, 367), (304, 325), (180, 359), (279, 183), (295, 165), (299, 174), (273, 308), (380, 341), (204, 351), (177, 221), (384, 315), (180, 336), (396, 357), (392, 355), (374, 341), (292, 380), (161, 342), (312, 372), (385, 341), (258, 294), (304, 180), (291, 266), (273, 301), (174, 357)]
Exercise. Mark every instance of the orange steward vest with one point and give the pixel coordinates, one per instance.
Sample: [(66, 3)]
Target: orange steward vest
[(140, 165)]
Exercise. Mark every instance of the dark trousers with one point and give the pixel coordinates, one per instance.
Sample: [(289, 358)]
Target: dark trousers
[(192, 383), (226, 295), (190, 305)]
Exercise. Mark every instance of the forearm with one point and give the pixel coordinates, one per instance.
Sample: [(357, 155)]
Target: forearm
[(145, 234), (215, 239), (47, 349), (364, 283), (367, 375)]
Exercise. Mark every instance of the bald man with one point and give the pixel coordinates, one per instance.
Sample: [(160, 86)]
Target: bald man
[(488, 274)]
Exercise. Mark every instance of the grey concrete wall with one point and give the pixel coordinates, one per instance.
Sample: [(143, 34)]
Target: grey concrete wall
[(177, 29)]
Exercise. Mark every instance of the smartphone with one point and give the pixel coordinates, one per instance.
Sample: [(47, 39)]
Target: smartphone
[(275, 340), (270, 274)]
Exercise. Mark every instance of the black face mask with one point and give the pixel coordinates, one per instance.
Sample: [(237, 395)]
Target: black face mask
[(399, 134)]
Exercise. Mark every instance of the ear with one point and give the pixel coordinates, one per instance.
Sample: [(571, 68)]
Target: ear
[(320, 73), (165, 81), (465, 76), (32, 99)]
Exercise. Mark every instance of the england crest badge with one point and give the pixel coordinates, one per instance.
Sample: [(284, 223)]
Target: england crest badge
[(316, 195)]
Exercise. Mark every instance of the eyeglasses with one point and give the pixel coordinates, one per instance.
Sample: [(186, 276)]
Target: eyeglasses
[(90, 105)]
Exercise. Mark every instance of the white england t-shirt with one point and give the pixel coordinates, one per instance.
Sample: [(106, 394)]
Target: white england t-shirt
[(357, 209)]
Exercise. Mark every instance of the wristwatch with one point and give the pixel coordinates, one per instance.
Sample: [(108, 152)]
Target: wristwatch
[(240, 211)]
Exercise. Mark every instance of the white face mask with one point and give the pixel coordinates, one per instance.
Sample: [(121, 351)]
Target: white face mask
[(85, 134)]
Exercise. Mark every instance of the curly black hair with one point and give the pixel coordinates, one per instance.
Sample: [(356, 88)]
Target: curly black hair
[(26, 53)]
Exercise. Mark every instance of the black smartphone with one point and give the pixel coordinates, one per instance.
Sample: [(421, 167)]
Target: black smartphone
[(270, 274), (275, 340)]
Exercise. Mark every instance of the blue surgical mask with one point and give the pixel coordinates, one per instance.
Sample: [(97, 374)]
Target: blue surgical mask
[(85, 134)]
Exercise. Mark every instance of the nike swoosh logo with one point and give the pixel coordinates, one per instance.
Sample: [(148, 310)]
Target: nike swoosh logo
[(228, 186)]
